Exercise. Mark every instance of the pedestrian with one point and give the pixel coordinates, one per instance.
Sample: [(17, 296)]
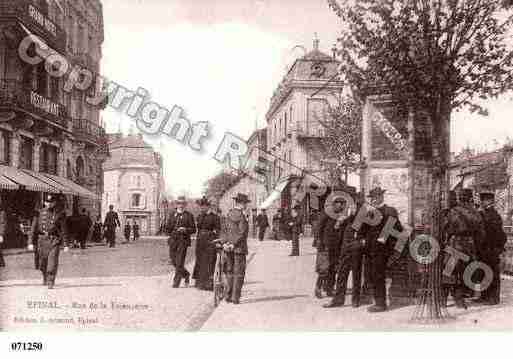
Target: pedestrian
[(294, 229), (379, 248), (350, 259), (180, 227), (110, 225), (135, 228), (51, 232), (84, 225), (465, 231), (96, 235), (277, 218), (262, 222), (3, 226), (330, 237), (314, 221), (208, 225), (127, 231), (491, 248), (33, 238), (236, 248)]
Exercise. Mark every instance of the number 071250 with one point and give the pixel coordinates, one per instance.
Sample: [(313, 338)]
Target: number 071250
[(31, 346)]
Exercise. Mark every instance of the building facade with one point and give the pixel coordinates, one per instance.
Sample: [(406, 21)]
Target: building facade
[(43, 127), (133, 182)]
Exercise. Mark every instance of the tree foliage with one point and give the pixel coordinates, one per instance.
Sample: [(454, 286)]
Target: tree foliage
[(217, 185)]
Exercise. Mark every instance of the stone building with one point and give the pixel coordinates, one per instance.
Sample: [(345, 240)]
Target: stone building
[(43, 128), (133, 182)]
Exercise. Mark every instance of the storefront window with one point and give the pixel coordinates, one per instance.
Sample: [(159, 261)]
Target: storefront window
[(26, 153), (48, 159)]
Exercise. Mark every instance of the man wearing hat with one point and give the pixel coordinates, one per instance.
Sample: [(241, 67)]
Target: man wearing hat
[(262, 223), (51, 232), (379, 249), (294, 228), (491, 248), (180, 227), (208, 225), (464, 230), (236, 248), (110, 225)]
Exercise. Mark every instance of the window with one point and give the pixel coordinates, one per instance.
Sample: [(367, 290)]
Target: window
[(48, 158), (26, 153), (136, 200), (4, 148)]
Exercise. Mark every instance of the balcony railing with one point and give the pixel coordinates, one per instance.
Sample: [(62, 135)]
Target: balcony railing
[(311, 133), (86, 130), (15, 95), (28, 13)]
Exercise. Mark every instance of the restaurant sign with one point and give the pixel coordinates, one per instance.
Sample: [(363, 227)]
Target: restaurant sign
[(42, 20), (44, 104)]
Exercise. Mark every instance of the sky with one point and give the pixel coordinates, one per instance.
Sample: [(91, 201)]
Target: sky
[(221, 61)]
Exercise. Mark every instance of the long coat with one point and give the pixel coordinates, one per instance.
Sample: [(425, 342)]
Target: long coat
[(209, 228), (237, 231), (495, 237), (178, 220)]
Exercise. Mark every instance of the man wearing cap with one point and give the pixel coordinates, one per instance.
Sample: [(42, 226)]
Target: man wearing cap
[(330, 230), (51, 232), (110, 225), (294, 229), (236, 248), (379, 249), (180, 227), (465, 232), (492, 247), (208, 225), (350, 258)]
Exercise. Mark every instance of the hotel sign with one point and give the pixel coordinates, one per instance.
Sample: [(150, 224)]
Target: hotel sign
[(44, 104), (42, 20)]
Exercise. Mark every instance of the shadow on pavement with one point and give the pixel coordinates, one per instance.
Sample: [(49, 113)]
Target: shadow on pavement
[(273, 298)]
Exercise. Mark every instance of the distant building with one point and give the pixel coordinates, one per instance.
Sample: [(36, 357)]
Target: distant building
[(133, 182)]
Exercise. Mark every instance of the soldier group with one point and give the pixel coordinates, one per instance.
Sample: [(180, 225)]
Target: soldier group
[(208, 228)]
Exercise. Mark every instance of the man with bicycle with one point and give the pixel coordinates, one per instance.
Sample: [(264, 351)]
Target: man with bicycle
[(236, 248)]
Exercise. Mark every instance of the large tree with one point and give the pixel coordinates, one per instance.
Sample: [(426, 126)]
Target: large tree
[(218, 184), (431, 56)]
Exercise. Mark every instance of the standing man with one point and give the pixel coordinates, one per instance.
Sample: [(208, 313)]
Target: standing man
[(180, 227), (491, 248), (110, 225), (128, 230), (294, 229), (84, 225), (330, 239), (236, 248), (51, 231), (209, 227), (277, 218), (378, 248), (135, 228), (262, 222)]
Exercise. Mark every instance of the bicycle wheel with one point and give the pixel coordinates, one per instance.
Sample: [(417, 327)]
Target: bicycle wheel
[(218, 283)]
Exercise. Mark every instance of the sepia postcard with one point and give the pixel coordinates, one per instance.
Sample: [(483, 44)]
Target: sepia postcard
[(255, 165)]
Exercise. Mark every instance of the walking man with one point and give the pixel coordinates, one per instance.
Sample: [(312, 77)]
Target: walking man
[(294, 229), (110, 225), (128, 230), (236, 248), (379, 249), (84, 225), (491, 248), (180, 227), (262, 223)]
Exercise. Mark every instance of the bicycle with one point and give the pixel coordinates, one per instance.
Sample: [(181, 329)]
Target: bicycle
[(219, 280)]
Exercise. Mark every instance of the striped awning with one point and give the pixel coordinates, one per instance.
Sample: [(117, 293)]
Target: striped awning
[(26, 181), (6, 183), (75, 188), (43, 178)]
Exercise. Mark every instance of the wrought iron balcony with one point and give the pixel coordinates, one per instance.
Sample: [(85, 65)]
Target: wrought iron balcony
[(87, 131), (15, 96), (36, 20)]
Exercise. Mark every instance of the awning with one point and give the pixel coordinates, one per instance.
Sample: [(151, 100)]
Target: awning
[(75, 188), (275, 193), (6, 183), (26, 181), (41, 177)]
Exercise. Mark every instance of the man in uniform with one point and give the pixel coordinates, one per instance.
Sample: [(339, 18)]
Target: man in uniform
[(350, 259), (51, 232), (491, 248), (110, 225), (379, 249), (330, 239), (262, 223), (180, 227), (236, 248), (465, 232), (208, 225)]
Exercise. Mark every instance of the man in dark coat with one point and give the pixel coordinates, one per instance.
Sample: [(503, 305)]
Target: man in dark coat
[(236, 248), (84, 225), (135, 228), (379, 249), (262, 223), (464, 229), (294, 229), (128, 231), (351, 258), (208, 225), (330, 239), (110, 225), (491, 248), (180, 227)]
